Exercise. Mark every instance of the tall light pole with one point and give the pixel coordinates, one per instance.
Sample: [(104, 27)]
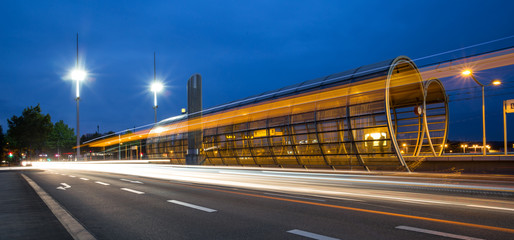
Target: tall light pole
[(78, 75), (494, 82), (155, 87)]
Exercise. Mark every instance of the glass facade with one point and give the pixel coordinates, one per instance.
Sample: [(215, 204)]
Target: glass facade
[(366, 118)]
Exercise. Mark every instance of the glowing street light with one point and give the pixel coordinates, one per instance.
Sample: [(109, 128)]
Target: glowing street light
[(78, 75), (155, 88), (463, 146), (467, 73)]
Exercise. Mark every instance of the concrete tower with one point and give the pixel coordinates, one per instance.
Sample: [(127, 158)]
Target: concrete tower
[(194, 111)]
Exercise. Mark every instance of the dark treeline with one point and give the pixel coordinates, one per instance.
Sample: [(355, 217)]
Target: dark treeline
[(33, 134)]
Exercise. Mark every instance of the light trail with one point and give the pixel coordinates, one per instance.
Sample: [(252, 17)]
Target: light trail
[(306, 102), (319, 185), (480, 226), (322, 187), (508, 189)]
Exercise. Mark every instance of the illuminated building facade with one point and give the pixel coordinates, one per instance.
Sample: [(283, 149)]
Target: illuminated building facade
[(371, 117)]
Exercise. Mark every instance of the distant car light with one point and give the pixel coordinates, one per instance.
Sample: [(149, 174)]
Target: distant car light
[(26, 163)]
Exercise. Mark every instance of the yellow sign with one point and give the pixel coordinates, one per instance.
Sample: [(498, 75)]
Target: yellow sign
[(264, 133), (260, 133), (509, 106)]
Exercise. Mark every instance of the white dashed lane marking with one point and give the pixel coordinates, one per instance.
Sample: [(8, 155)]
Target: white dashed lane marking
[(132, 190), (102, 183), (437, 233), (131, 181), (192, 206), (311, 235)]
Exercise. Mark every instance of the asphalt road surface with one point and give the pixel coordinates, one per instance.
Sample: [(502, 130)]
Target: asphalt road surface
[(117, 201)]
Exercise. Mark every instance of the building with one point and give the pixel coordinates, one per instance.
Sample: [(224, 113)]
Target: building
[(371, 117)]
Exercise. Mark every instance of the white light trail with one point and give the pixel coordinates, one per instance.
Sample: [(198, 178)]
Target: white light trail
[(314, 186)]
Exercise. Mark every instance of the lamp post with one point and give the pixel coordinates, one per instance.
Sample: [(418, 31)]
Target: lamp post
[(494, 82), (155, 88), (78, 75)]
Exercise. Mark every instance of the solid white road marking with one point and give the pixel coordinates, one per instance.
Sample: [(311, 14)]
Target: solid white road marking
[(76, 230), (72, 176), (131, 181), (102, 183), (63, 187), (311, 235), (192, 206), (443, 234), (85, 179), (132, 190)]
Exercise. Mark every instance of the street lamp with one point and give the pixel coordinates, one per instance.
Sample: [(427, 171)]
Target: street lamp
[(466, 73), (155, 88), (78, 75), (463, 146)]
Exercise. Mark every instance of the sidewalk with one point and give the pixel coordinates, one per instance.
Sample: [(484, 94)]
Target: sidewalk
[(23, 215)]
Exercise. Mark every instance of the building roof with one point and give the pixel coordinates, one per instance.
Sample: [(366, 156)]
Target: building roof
[(341, 78), (345, 77)]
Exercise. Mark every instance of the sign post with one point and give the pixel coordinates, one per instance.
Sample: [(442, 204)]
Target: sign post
[(508, 107)]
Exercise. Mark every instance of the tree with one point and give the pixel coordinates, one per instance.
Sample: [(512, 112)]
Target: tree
[(29, 132), (61, 138), (2, 144), (89, 136)]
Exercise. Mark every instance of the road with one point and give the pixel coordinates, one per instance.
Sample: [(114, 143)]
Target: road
[(118, 201)]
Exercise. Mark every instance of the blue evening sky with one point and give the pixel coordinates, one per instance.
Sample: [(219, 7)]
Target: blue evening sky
[(240, 48)]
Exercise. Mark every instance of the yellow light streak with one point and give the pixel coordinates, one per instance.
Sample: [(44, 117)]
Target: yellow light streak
[(321, 99), (493, 228)]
